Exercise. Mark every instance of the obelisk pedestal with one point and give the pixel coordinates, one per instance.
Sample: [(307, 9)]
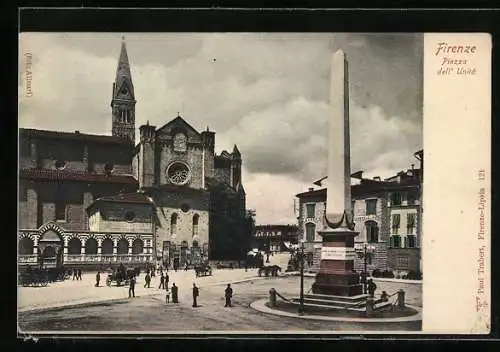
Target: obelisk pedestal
[(336, 271), (336, 275)]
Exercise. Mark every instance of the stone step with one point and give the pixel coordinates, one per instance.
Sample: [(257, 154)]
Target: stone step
[(382, 305), (358, 298), (330, 303), (329, 307)]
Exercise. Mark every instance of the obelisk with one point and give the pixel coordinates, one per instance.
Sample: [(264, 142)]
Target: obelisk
[(336, 275)]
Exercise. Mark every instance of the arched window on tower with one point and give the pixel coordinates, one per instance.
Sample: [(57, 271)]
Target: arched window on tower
[(173, 224), (196, 218)]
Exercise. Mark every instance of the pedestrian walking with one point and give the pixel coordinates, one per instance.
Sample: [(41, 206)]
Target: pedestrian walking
[(196, 293), (147, 280), (175, 293), (371, 288), (97, 279), (75, 274), (186, 267), (162, 281), (152, 272), (131, 289), (166, 281), (79, 274), (167, 296), (228, 293)]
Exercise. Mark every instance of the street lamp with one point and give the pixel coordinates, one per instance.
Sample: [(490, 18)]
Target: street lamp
[(367, 252), (301, 306)]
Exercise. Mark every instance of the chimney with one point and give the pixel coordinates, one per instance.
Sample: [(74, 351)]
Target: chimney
[(358, 175), (77, 132), (376, 178), (412, 166), (311, 189)]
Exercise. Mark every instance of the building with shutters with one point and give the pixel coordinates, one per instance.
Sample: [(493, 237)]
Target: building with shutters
[(93, 200), (387, 215)]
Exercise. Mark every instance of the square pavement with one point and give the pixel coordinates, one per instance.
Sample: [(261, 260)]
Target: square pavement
[(73, 292)]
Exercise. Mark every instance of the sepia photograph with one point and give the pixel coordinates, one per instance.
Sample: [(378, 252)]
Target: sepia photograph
[(221, 182)]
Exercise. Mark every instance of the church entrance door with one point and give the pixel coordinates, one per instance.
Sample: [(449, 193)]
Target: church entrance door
[(50, 249)]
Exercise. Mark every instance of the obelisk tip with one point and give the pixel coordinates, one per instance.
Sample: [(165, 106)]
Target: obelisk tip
[(340, 52)]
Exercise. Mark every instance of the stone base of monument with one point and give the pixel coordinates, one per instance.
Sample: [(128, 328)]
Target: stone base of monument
[(356, 305), (337, 284)]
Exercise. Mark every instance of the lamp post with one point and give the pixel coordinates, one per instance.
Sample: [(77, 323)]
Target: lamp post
[(367, 251), (301, 305)]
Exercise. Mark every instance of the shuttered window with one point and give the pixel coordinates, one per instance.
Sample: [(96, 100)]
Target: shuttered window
[(396, 219), (310, 232)]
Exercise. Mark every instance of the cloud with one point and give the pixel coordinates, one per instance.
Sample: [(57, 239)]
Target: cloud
[(267, 93)]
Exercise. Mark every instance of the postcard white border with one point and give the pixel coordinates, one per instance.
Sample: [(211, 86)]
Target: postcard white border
[(457, 158)]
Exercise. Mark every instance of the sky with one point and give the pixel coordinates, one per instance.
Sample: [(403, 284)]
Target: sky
[(266, 92)]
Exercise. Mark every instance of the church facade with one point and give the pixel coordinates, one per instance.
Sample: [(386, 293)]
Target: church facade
[(100, 199)]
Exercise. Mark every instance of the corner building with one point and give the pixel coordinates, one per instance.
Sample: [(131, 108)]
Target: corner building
[(387, 216), (99, 200)]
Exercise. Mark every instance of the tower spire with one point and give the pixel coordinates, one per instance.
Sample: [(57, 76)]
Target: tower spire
[(123, 99), (123, 75)]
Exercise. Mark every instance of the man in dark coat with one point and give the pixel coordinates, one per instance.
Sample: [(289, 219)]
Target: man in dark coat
[(196, 293), (97, 279), (147, 280), (166, 281), (131, 289), (228, 293), (371, 288), (75, 273), (79, 274), (175, 293), (162, 281)]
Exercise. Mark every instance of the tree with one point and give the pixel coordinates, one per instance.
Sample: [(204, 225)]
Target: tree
[(230, 225)]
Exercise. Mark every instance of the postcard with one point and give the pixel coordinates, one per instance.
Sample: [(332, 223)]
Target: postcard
[(221, 183)]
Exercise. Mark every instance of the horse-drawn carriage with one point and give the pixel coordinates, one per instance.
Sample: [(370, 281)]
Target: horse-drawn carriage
[(269, 270), (121, 276), (203, 270), (42, 276)]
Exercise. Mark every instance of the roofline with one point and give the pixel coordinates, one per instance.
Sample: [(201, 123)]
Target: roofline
[(130, 180), (92, 232), (374, 190), (187, 123), (99, 200), (82, 136)]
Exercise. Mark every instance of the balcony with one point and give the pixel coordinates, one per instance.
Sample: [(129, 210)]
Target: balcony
[(108, 258), (31, 259), (27, 259)]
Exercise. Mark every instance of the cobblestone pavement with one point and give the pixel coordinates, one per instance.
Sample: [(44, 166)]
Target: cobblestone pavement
[(150, 313)]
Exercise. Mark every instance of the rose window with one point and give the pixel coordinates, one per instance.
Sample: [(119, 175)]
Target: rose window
[(178, 173)]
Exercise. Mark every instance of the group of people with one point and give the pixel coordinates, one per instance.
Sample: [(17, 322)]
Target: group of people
[(77, 274), (173, 290), (371, 287)]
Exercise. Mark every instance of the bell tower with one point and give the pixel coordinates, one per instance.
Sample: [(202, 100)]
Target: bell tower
[(123, 100)]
